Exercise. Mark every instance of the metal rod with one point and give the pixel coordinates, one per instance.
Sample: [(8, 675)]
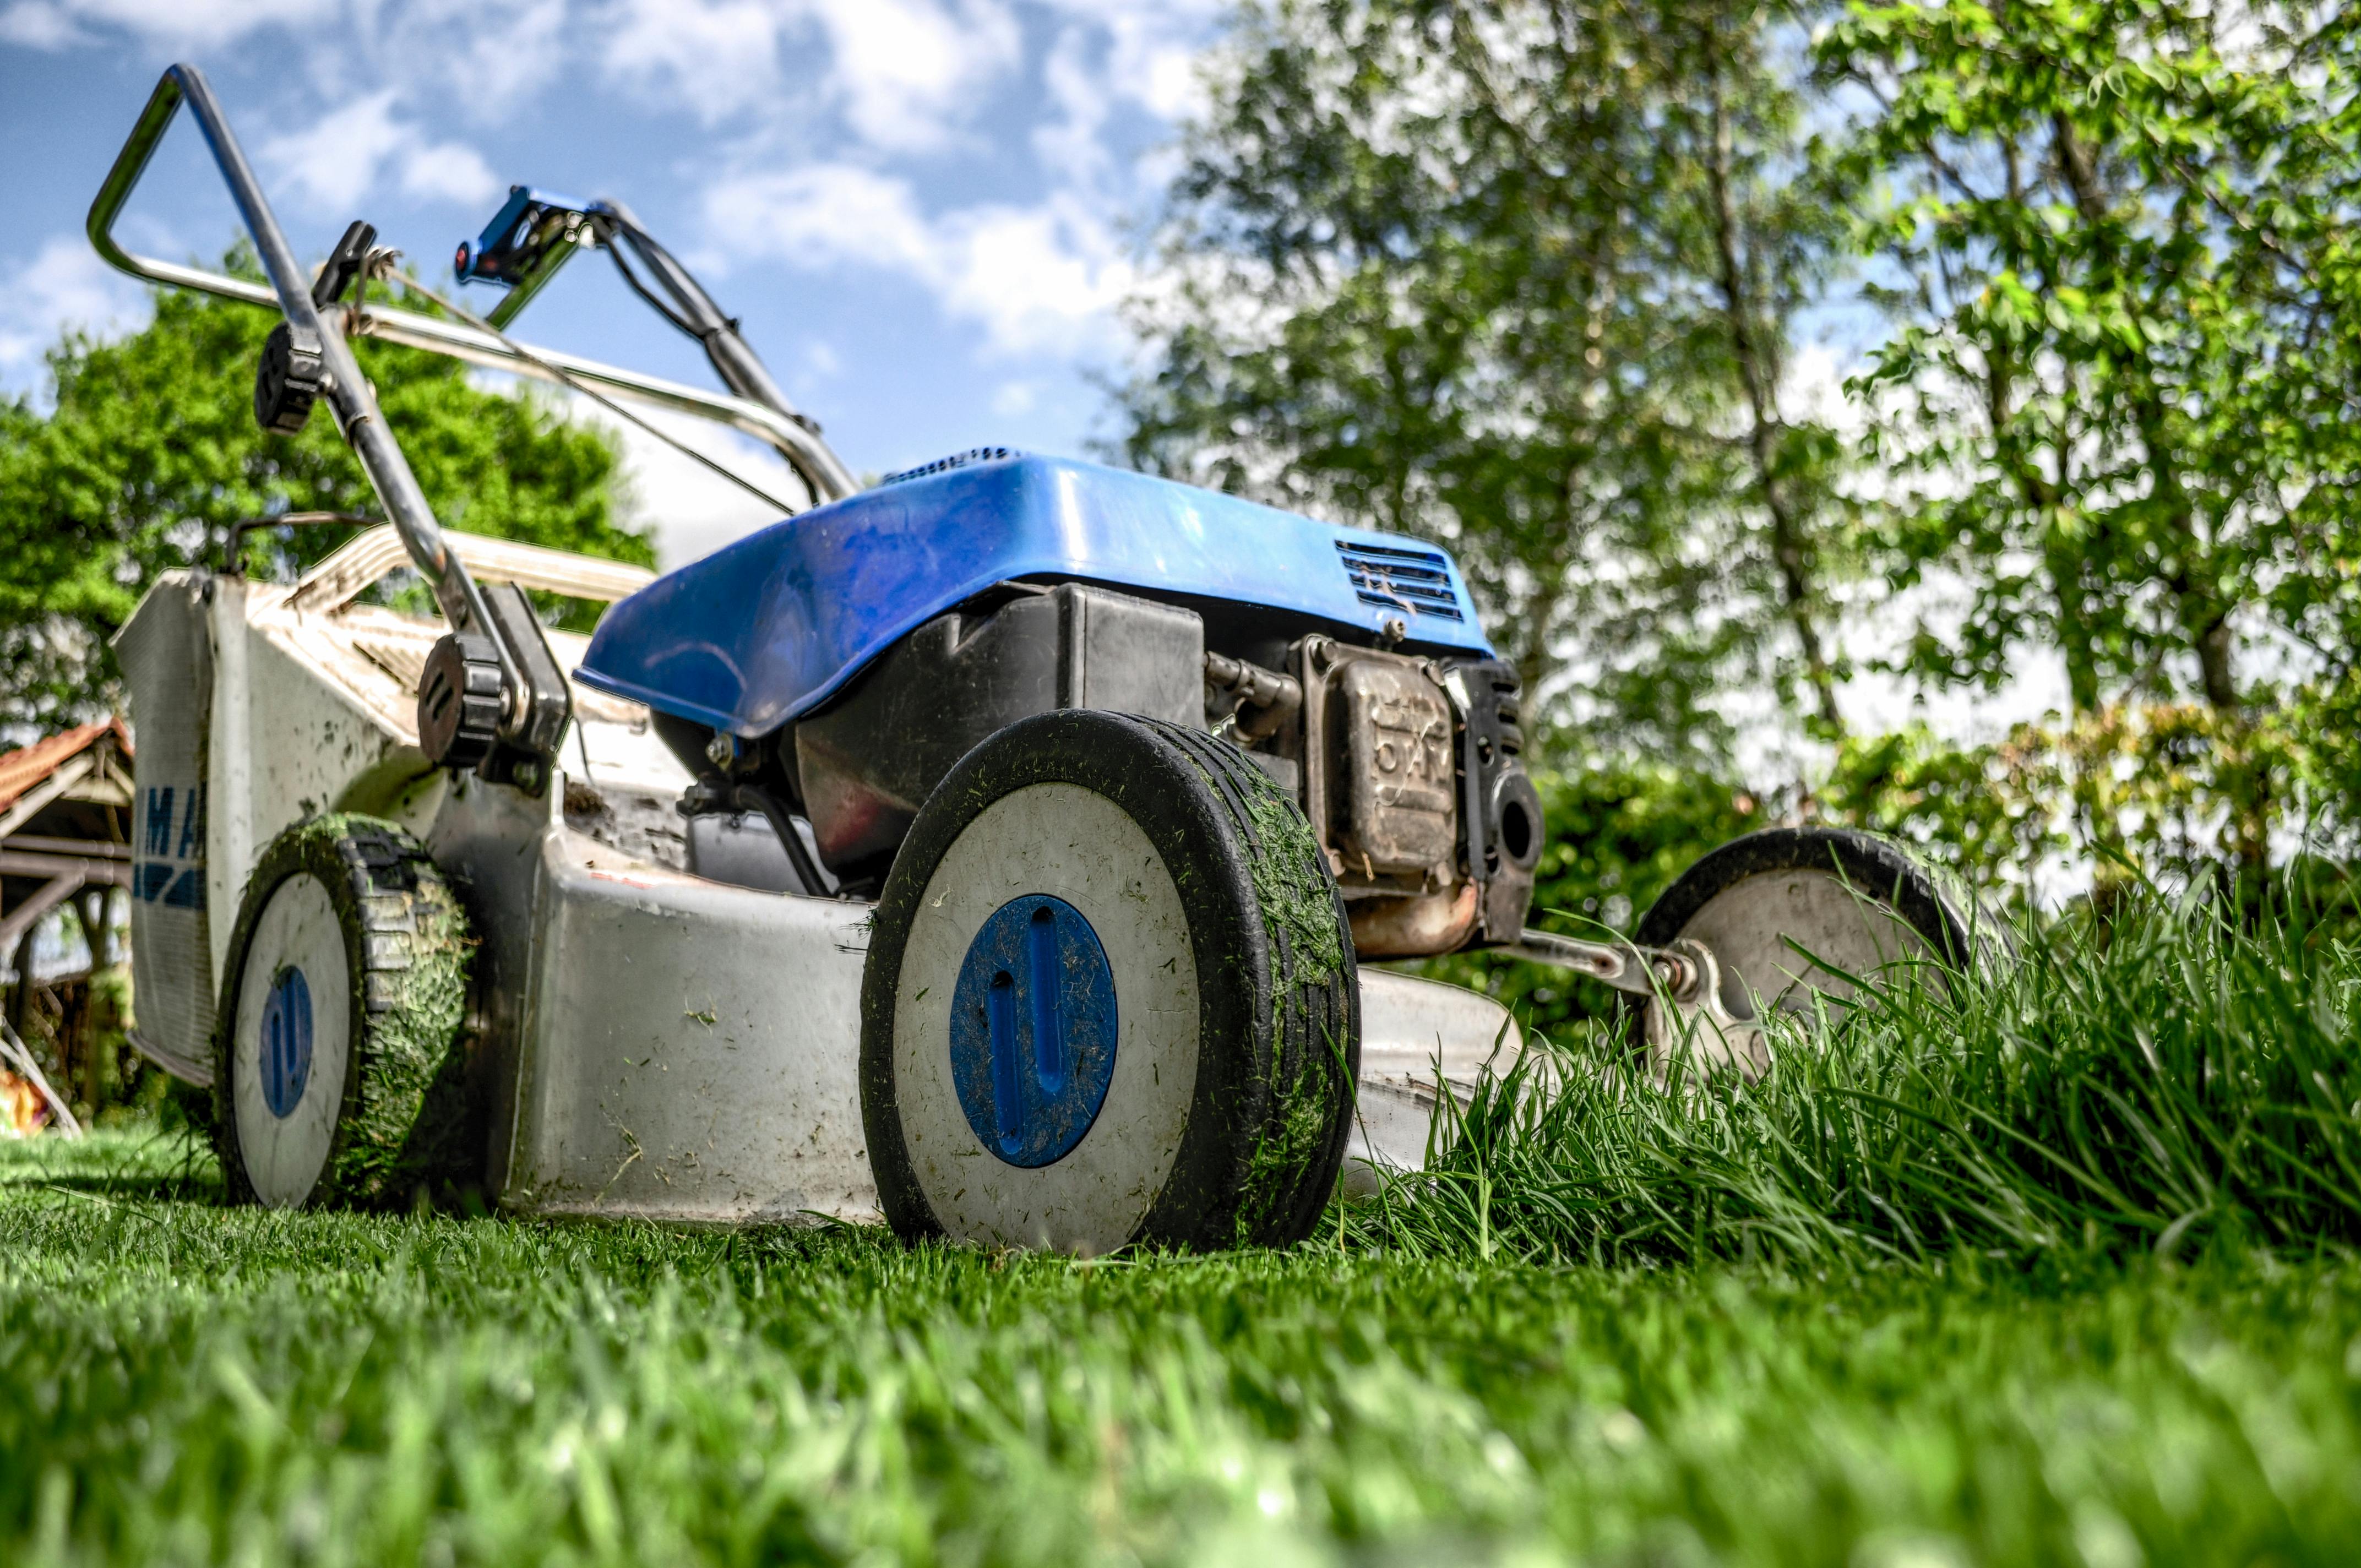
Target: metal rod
[(777, 427), (80, 849), (19, 857), (16, 926), (811, 457), (291, 291), (1623, 965), (735, 360)]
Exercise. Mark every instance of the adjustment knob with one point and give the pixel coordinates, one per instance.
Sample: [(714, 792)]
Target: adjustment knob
[(286, 380), (459, 701)]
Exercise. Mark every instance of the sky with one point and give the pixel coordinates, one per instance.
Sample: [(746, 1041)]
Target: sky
[(925, 211)]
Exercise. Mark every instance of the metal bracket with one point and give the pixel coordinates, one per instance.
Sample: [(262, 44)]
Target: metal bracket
[(716, 794), (1642, 972), (1685, 1017), (1692, 1028)]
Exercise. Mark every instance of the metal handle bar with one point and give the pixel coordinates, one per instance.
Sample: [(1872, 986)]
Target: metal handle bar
[(810, 456), (291, 294), (735, 360)]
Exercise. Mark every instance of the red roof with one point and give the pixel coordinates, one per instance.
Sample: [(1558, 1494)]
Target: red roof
[(21, 771)]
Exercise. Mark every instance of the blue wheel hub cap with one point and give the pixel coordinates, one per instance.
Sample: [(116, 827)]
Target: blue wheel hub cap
[(1033, 1030), (286, 1041)]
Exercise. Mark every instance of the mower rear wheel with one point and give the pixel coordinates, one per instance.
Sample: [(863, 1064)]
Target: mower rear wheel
[(1110, 998), (338, 1068)]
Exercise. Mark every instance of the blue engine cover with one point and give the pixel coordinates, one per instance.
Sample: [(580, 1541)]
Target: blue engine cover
[(765, 629)]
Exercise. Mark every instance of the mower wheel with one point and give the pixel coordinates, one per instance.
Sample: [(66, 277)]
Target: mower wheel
[(1798, 913), (1110, 998), (338, 1070)]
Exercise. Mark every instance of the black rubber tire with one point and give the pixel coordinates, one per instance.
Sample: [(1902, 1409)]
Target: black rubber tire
[(407, 1121), (1877, 867), (1961, 936), (1278, 991)]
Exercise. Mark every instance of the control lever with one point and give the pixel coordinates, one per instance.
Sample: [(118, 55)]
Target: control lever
[(344, 265)]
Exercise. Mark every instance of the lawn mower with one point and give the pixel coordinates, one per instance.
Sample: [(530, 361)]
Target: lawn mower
[(1005, 848)]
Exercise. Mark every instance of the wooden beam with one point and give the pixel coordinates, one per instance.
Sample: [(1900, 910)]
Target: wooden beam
[(16, 926), (81, 848), (20, 1056), (89, 868), (68, 773)]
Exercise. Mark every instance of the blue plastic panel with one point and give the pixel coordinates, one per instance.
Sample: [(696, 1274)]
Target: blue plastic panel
[(765, 628)]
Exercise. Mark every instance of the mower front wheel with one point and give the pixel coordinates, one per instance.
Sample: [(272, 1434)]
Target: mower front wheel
[(1110, 999), (339, 1076)]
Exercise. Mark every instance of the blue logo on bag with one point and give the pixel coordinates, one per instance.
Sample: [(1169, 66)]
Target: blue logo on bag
[(171, 869)]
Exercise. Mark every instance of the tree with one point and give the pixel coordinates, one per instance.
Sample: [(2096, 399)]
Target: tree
[(2123, 239), (1518, 277), (152, 453)]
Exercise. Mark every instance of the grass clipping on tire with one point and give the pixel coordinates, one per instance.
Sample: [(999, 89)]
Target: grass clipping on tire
[(409, 1125), (413, 1127), (1299, 914)]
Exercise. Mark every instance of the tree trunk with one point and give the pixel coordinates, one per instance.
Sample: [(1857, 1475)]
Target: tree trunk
[(1791, 548), (2205, 617)]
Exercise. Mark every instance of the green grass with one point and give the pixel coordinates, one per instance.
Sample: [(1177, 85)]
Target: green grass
[(178, 1382), (2055, 1271)]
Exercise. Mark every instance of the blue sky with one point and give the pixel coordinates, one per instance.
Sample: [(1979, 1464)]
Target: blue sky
[(924, 211)]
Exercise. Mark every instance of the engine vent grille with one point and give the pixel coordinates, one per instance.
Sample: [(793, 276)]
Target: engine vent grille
[(956, 460), (1400, 579)]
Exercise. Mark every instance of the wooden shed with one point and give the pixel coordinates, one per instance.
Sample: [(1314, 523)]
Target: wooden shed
[(65, 836)]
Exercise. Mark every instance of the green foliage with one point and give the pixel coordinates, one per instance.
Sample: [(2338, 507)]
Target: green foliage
[(1618, 835), (1516, 278), (152, 453), (2122, 237), (2167, 1081), (1989, 812), (1524, 278), (180, 1383)]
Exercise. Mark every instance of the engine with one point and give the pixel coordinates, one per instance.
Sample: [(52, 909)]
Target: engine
[(1407, 764)]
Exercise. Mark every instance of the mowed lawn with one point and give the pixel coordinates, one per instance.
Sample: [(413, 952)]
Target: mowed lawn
[(180, 1382)]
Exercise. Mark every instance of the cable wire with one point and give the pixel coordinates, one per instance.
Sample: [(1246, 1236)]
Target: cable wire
[(560, 374)]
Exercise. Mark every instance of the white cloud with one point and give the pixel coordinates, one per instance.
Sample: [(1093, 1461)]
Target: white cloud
[(907, 70), (903, 73), (493, 55), (448, 172), (1151, 58), (1039, 279), (38, 26), (1014, 399), (60, 24), (711, 58), (1074, 144), (823, 213), (338, 161), (65, 284)]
